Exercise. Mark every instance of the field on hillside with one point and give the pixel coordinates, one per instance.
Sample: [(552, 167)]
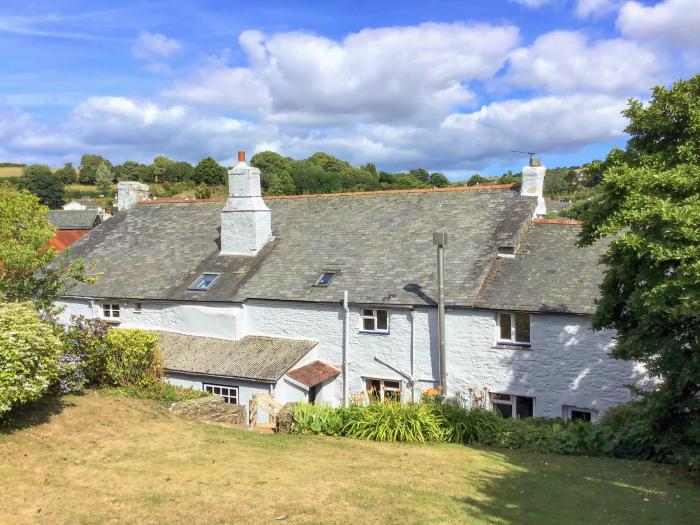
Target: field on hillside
[(10, 171), (96, 459)]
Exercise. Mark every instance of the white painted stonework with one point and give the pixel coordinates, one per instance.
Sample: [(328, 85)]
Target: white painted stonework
[(566, 365), (129, 193), (533, 186)]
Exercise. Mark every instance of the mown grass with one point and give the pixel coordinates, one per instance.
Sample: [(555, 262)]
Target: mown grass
[(97, 459)]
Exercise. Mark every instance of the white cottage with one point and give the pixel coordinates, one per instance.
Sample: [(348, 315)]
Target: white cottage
[(321, 297)]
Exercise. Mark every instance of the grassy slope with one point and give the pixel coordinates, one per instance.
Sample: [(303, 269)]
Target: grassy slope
[(110, 459)]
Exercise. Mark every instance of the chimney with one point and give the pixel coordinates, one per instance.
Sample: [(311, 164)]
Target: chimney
[(533, 185), (246, 222), (129, 193)]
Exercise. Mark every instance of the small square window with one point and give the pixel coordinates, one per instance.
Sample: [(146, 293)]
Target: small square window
[(380, 390), (110, 311), (579, 414), (375, 320), (325, 279), (204, 281), (229, 393), (513, 328), (137, 308), (509, 405)]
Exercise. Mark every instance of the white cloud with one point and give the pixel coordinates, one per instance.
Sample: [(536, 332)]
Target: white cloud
[(387, 74), (565, 61), (673, 22), (596, 8), (150, 46)]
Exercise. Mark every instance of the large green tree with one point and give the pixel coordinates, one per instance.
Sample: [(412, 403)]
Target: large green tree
[(25, 273), (104, 178), (39, 180), (67, 174), (209, 172), (649, 199), (88, 167), (131, 170)]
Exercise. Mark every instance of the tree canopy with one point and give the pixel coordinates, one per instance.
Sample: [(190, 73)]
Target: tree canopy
[(39, 180), (88, 167), (209, 172), (649, 200), (67, 174)]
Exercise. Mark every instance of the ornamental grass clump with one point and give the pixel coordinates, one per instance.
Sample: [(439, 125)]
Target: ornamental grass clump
[(318, 419), (394, 421)]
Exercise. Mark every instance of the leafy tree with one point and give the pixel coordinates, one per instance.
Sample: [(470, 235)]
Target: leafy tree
[(103, 178), (438, 180), (178, 171), (329, 163), (202, 191), (38, 179), (29, 351), (209, 172), (131, 170), (67, 174), (269, 163), (421, 174), (88, 167), (477, 179), (158, 168), (25, 233), (281, 183), (649, 201)]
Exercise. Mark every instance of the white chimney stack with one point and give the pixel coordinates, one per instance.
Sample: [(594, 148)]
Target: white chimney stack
[(129, 193), (246, 222), (533, 185)]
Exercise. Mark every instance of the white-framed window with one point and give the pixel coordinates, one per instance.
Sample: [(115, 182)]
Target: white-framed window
[(375, 320), (110, 311), (512, 406), (325, 279), (229, 393), (204, 281), (579, 414), (383, 389), (137, 308), (513, 328)]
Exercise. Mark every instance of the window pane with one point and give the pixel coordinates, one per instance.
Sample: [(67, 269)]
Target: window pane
[(580, 415), (105, 310), (523, 407), (374, 387), (367, 312), (326, 279), (500, 397), (522, 328), (392, 395), (505, 326), (396, 385), (382, 320), (368, 323), (207, 388), (505, 410), (115, 310)]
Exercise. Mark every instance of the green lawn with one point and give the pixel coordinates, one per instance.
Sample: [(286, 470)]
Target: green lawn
[(95, 459)]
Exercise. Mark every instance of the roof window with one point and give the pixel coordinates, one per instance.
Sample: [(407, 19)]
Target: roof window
[(507, 252), (325, 279), (204, 281)]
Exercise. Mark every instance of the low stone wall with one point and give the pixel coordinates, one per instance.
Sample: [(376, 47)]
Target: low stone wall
[(284, 418), (210, 409)]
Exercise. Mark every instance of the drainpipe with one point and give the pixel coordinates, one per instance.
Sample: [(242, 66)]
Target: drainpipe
[(346, 349), (440, 240), (413, 353)]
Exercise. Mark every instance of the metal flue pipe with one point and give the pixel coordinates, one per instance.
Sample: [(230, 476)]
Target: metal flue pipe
[(440, 240)]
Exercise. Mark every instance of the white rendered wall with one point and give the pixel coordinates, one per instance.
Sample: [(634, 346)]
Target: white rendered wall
[(211, 320)]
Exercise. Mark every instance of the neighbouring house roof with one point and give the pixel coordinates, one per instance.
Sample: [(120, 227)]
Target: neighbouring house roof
[(74, 219), (252, 357), (313, 373), (558, 206), (379, 244), (549, 273), (64, 238)]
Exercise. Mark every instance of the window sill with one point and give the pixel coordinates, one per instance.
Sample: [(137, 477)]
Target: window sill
[(111, 321), (511, 346), (375, 332)]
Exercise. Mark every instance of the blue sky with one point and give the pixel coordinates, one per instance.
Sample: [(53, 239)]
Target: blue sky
[(451, 86)]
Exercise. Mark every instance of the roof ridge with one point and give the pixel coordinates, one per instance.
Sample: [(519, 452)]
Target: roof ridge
[(344, 194), (561, 221)]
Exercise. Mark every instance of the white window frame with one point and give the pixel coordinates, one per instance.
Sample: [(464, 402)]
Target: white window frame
[(231, 392), (372, 315), (512, 340), (110, 309), (512, 402), (568, 409), (383, 388), (323, 274)]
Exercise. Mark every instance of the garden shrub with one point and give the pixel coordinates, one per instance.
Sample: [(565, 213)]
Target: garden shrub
[(83, 361), (319, 419), (29, 353), (395, 421), (133, 358), (467, 426), (158, 391)]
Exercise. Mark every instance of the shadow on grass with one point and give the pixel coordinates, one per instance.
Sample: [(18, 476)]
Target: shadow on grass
[(544, 489), (33, 414)]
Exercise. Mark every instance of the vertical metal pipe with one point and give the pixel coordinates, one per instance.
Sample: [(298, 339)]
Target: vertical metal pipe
[(441, 316), (346, 349)]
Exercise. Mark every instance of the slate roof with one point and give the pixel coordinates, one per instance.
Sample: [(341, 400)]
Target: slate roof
[(74, 219), (380, 245), (548, 274), (252, 357), (313, 373)]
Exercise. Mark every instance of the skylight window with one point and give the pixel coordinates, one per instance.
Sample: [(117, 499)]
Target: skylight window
[(204, 281), (325, 279)]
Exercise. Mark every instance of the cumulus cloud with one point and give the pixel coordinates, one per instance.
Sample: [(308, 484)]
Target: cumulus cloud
[(595, 8), (565, 61), (394, 73), (152, 46), (673, 22)]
